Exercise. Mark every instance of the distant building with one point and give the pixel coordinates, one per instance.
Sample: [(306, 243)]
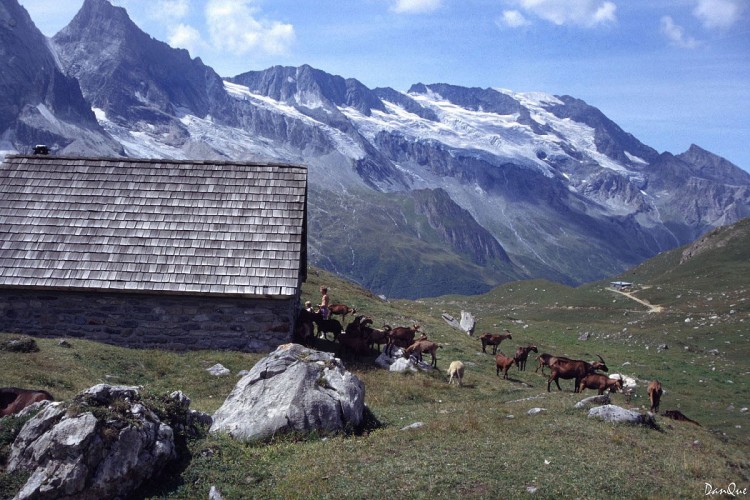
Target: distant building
[(621, 285), (143, 253)]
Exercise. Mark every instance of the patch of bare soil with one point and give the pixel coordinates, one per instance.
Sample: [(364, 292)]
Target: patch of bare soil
[(651, 307)]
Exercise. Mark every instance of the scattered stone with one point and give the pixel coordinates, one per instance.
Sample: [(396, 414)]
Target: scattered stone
[(593, 400), (23, 344), (415, 425), (535, 411), (214, 494), (218, 370), (64, 343), (293, 389), (584, 336), (531, 489), (662, 347)]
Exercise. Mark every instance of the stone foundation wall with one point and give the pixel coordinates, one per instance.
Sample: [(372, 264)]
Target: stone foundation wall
[(174, 322)]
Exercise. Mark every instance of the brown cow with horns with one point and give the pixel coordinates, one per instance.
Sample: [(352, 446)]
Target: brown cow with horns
[(572, 368)]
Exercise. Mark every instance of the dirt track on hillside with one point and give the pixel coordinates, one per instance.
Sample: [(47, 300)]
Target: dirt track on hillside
[(651, 308)]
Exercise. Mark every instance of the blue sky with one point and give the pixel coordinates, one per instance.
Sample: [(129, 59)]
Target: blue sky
[(671, 72)]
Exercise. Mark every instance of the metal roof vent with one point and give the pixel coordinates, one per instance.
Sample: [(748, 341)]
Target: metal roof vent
[(41, 149)]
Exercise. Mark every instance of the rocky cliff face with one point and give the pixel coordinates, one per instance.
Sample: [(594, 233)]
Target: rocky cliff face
[(39, 104), (458, 188), (134, 80), (457, 227)]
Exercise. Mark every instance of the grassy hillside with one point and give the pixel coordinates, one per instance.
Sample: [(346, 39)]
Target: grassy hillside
[(479, 440)]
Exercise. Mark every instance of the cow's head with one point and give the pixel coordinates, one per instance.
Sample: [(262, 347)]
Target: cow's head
[(597, 365)]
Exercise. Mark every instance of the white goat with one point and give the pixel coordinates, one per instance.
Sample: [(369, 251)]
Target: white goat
[(456, 369)]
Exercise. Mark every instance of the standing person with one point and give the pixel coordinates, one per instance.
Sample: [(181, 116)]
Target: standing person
[(324, 302)]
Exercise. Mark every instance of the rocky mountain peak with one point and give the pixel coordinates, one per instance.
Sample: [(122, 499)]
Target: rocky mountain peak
[(129, 75), (310, 87), (610, 139), (33, 87), (485, 185), (473, 99), (710, 166)]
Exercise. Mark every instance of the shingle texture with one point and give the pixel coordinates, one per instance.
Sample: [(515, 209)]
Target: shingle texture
[(152, 225)]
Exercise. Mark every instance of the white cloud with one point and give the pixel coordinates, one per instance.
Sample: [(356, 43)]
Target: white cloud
[(234, 26), (167, 10), (513, 19), (416, 6), (676, 34), (718, 14), (586, 13), (186, 37)]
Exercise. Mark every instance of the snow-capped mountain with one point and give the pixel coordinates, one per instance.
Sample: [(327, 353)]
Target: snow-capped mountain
[(439, 189), (38, 102)]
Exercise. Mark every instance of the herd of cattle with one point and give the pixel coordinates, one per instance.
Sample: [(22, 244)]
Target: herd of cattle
[(359, 337)]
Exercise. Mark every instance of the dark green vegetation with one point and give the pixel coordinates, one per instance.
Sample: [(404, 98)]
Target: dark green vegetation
[(478, 440)]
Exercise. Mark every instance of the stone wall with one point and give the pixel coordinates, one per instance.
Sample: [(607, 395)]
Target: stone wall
[(176, 322)]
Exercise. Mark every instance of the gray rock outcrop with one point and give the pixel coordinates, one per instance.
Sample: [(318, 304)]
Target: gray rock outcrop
[(451, 321), (593, 400), (293, 389), (468, 323), (105, 444), (618, 415)]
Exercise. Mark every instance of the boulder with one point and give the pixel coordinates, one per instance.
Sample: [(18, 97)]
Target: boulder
[(618, 415), (402, 365), (293, 389), (593, 400), (24, 345), (451, 321), (468, 323), (105, 444), (218, 370)]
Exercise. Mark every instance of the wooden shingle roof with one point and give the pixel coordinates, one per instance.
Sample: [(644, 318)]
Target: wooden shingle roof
[(188, 227)]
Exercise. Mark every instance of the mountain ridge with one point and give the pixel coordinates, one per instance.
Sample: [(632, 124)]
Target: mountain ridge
[(542, 183)]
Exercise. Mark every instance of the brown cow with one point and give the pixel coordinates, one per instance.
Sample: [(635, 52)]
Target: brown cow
[(13, 399), (418, 348), (503, 363), (493, 340), (600, 382), (342, 310), (654, 395), (401, 336), (572, 369), (544, 360), (522, 354)]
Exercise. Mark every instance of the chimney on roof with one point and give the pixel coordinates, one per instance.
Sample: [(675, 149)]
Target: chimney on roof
[(41, 149)]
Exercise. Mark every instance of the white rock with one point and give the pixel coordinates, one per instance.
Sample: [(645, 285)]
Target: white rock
[(218, 370), (616, 414), (415, 425), (292, 389)]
